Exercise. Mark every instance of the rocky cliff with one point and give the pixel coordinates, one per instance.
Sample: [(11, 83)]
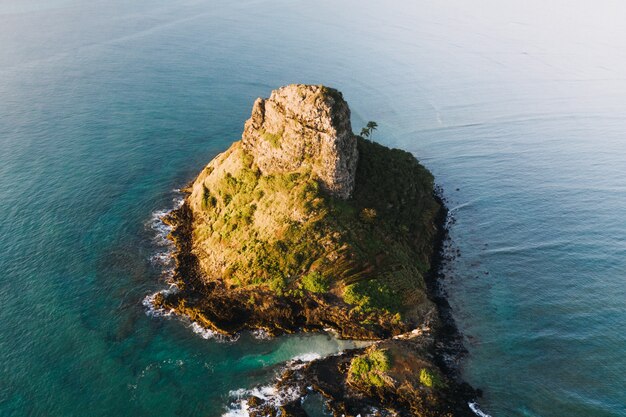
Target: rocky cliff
[(304, 126)]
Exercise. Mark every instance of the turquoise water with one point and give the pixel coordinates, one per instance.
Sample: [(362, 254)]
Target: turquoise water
[(107, 107)]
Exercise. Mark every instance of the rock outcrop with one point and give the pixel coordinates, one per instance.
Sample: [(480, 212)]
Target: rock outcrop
[(410, 386), (304, 125)]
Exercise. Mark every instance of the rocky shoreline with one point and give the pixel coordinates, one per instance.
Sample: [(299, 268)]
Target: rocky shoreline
[(303, 226), (327, 376), (448, 338)]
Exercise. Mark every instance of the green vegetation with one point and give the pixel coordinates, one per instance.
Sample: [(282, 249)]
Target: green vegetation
[(278, 284), (282, 232), (208, 200), (315, 282), (369, 369), (372, 295), (431, 379), (368, 130), (247, 216), (273, 139)]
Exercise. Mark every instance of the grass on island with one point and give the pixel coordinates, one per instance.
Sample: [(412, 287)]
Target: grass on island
[(284, 233), (273, 139), (431, 379)]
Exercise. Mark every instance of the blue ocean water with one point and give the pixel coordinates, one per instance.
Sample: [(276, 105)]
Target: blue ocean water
[(107, 107)]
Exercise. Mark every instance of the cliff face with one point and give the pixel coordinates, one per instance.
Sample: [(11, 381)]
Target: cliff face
[(304, 126)]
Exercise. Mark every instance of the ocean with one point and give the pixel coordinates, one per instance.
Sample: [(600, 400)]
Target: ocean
[(107, 108)]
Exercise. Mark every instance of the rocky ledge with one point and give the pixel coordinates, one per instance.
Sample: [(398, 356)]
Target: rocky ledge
[(304, 226)]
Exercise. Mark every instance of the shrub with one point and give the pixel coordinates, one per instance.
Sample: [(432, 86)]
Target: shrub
[(369, 368), (372, 295), (273, 139), (247, 212), (430, 379), (315, 282), (368, 215), (208, 201), (278, 285)]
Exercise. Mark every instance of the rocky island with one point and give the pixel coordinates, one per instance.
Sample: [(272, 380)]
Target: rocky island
[(304, 226)]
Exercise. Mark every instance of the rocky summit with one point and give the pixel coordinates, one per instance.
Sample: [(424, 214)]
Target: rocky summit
[(304, 125)]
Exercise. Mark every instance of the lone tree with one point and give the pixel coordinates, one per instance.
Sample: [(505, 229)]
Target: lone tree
[(368, 130)]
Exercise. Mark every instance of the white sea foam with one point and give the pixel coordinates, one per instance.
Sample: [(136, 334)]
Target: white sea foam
[(153, 311), (163, 257), (474, 407), (205, 333), (261, 334), (239, 410), (157, 224), (273, 397), (306, 357), (178, 201), (162, 230), (201, 331), (210, 334)]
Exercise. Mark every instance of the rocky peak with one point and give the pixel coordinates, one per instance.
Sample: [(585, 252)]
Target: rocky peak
[(304, 126)]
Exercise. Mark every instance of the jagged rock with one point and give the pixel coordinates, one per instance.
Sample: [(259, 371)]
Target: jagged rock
[(304, 125)]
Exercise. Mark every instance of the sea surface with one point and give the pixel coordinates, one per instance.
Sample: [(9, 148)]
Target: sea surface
[(108, 107)]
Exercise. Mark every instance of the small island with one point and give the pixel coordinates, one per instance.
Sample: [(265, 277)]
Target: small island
[(304, 226)]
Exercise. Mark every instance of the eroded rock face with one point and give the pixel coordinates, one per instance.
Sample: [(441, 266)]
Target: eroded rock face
[(304, 126)]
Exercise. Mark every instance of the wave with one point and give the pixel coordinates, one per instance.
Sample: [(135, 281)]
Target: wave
[(205, 333), (148, 302), (460, 206), (306, 357), (261, 334), (474, 407), (163, 256), (272, 396)]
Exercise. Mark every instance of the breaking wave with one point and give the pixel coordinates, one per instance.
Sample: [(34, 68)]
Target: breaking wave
[(474, 407), (163, 257), (261, 334), (272, 396)]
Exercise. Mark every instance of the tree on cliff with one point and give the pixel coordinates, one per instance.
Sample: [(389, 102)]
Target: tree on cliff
[(368, 130)]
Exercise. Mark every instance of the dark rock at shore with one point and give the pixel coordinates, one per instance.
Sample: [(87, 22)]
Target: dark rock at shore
[(402, 394)]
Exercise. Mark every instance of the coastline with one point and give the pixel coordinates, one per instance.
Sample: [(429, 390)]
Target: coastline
[(448, 349), (449, 340)]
